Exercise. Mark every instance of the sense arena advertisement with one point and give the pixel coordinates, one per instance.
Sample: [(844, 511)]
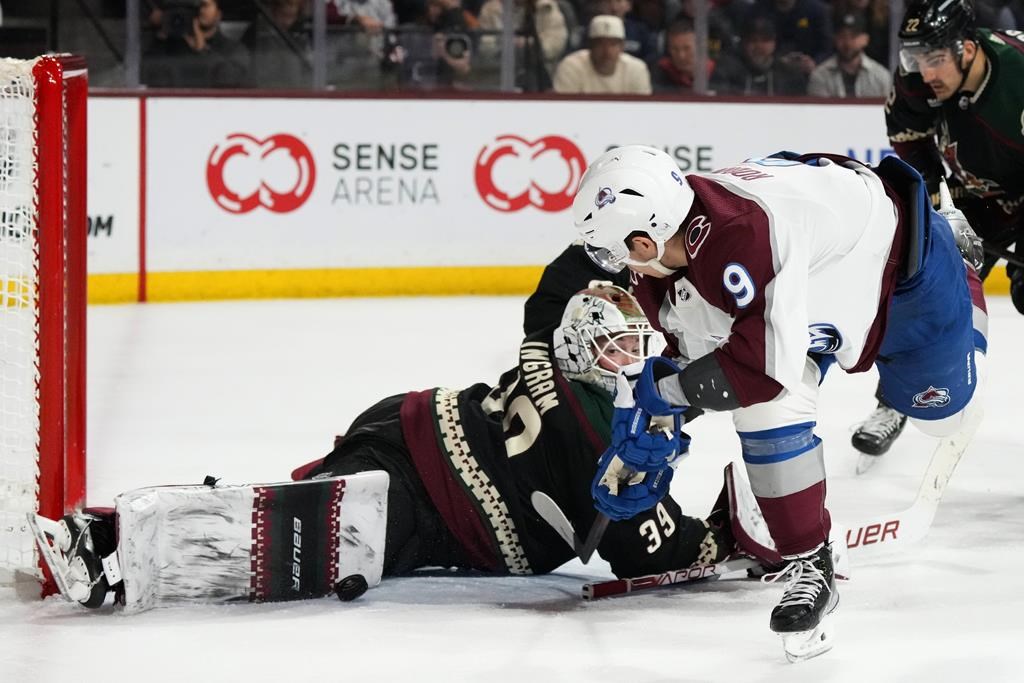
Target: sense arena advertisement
[(311, 197)]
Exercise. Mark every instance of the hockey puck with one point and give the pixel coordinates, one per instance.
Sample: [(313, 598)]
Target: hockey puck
[(351, 587)]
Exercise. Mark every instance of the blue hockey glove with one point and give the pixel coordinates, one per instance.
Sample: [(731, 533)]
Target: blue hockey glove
[(645, 443), (659, 374), (636, 470), (621, 493)]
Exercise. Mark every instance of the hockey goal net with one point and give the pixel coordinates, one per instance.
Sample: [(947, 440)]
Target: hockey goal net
[(43, 228)]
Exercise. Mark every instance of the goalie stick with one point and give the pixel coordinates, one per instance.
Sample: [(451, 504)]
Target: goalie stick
[(549, 511), (876, 533)]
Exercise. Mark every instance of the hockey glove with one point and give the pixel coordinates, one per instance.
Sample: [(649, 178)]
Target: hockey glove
[(642, 441), (657, 390), (636, 470), (970, 245), (620, 493)]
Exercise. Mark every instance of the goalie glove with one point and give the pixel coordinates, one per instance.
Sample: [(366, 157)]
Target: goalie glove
[(970, 245)]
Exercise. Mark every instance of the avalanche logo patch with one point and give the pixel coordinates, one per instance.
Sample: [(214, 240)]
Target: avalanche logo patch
[(825, 338), (696, 232), (605, 196), (931, 398)]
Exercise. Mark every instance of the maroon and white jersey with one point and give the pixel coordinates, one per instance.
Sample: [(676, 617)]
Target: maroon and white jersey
[(784, 258)]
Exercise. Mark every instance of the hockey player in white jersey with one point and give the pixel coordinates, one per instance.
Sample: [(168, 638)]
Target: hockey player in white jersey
[(761, 275)]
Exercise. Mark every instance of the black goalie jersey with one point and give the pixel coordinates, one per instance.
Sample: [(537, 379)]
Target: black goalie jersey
[(481, 452)]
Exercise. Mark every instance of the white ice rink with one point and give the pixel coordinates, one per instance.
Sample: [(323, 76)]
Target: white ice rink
[(246, 391)]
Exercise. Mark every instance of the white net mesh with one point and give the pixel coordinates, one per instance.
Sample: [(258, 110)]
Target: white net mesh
[(19, 371)]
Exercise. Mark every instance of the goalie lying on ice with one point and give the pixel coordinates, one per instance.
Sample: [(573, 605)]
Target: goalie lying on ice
[(427, 478)]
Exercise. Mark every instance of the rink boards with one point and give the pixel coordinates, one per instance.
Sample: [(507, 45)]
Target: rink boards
[(246, 197)]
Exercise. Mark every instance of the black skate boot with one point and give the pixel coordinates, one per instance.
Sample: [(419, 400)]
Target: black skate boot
[(801, 617), (74, 548), (876, 434)]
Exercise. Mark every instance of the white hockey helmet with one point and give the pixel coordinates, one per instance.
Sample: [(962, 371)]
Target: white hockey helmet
[(602, 329), (626, 190)]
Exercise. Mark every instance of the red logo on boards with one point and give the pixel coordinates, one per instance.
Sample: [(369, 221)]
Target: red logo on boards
[(244, 173), (512, 173)]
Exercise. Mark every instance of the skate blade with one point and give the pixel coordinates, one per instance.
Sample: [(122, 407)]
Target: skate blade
[(803, 645), (45, 531), (865, 462)]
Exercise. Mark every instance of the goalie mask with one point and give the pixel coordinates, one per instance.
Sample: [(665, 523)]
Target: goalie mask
[(602, 329)]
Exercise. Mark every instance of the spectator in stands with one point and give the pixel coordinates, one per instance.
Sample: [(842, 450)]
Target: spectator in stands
[(604, 68), (757, 71), (655, 14), (876, 18), (802, 30), (188, 49), (995, 14), (724, 18), (541, 39), (438, 55), (373, 16), (1016, 8), (281, 48), (640, 41), (674, 72), (850, 72)]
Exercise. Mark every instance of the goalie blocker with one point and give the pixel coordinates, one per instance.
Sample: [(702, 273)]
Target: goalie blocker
[(220, 544)]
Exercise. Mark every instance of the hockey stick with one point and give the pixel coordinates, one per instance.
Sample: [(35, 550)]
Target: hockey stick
[(552, 514), (912, 524), (946, 204), (710, 572), (884, 531), (1002, 253), (594, 536)]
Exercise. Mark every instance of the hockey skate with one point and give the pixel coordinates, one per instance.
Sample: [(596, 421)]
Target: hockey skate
[(802, 616), (77, 550), (876, 435)]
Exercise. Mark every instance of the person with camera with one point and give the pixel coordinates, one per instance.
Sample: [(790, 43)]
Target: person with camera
[(435, 51), (189, 50), (604, 68)]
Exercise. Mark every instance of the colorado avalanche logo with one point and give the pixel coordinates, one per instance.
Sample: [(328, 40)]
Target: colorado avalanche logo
[(825, 338), (696, 232), (605, 196), (931, 398)]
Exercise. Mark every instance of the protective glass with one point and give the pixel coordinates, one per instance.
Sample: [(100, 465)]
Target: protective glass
[(916, 59)]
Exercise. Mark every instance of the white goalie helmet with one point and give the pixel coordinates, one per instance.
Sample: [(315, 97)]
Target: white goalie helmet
[(602, 329), (630, 189)]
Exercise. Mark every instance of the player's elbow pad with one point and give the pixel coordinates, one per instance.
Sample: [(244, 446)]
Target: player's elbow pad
[(705, 385)]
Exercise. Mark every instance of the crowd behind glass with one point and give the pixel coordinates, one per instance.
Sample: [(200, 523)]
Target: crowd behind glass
[(823, 48)]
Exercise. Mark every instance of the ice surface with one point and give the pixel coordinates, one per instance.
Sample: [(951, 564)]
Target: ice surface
[(246, 391)]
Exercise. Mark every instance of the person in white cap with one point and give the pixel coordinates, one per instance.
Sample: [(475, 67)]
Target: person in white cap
[(603, 68)]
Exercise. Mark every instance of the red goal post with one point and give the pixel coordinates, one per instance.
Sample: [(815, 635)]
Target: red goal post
[(43, 230)]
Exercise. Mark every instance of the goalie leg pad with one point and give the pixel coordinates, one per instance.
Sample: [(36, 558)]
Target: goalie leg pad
[(258, 543)]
